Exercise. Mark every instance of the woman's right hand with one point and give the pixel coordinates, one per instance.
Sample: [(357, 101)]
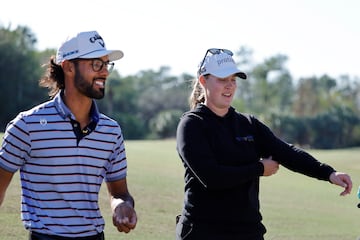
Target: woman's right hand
[(270, 166)]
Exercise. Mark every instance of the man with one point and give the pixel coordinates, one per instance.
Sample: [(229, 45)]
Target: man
[(65, 148)]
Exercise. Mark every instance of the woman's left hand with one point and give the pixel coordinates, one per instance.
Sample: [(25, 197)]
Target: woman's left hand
[(342, 180)]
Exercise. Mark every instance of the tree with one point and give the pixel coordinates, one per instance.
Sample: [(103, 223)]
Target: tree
[(137, 102), (162, 92), (306, 101), (319, 112), (269, 86), (20, 72)]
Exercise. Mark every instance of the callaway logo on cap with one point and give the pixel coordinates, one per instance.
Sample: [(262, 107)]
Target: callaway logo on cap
[(85, 45)]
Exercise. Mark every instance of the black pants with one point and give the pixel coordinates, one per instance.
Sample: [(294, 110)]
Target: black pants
[(187, 230), (40, 236)]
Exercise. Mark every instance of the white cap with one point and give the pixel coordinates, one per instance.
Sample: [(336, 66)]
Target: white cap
[(85, 45), (220, 65)]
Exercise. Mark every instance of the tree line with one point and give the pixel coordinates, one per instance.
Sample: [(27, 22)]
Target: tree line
[(318, 112)]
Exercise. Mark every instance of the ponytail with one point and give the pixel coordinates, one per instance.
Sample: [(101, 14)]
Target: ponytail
[(197, 95)]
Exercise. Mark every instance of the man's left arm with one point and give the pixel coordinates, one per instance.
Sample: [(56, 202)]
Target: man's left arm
[(122, 206)]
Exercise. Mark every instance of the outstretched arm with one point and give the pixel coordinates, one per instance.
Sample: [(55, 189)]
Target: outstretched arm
[(342, 180), (122, 206)]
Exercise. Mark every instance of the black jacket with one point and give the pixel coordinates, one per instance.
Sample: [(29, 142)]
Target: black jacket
[(222, 169)]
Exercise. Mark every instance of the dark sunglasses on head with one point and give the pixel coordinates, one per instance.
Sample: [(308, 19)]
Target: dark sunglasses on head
[(213, 51)]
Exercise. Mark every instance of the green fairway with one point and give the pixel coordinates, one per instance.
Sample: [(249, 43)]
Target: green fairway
[(294, 207)]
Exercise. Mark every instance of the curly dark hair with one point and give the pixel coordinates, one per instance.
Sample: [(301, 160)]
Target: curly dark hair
[(53, 78)]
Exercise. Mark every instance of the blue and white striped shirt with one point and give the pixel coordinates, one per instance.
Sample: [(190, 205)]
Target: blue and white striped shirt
[(61, 173)]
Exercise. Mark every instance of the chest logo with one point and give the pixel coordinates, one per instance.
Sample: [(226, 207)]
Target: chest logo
[(43, 122)]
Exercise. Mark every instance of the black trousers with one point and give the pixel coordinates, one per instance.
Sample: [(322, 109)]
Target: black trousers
[(40, 236), (188, 230)]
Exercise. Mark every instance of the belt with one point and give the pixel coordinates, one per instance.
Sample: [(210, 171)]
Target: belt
[(41, 236)]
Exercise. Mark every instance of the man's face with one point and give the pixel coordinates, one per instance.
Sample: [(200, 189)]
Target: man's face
[(90, 77)]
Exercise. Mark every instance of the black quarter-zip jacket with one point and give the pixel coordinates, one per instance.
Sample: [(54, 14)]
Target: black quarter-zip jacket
[(222, 169)]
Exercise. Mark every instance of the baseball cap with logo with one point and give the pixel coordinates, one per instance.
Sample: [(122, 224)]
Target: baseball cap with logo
[(85, 45), (220, 64)]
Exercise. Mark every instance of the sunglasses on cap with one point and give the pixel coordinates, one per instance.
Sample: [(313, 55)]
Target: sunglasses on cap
[(213, 51)]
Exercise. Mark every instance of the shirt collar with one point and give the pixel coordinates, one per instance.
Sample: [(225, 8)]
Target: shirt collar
[(65, 112)]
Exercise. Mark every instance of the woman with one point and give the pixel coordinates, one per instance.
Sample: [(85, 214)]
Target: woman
[(225, 153)]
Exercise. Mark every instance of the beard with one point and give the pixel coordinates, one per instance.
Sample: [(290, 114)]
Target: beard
[(87, 88)]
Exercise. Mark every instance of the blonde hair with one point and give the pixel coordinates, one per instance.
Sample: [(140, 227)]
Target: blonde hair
[(197, 94)]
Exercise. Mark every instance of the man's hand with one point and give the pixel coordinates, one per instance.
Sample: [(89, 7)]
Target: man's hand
[(124, 217)]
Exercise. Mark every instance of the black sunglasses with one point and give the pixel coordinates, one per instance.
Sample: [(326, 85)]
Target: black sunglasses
[(212, 51)]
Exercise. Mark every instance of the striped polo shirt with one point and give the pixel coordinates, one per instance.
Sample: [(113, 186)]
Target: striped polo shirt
[(62, 168)]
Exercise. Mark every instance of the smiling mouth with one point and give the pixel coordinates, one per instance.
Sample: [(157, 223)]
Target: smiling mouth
[(100, 83)]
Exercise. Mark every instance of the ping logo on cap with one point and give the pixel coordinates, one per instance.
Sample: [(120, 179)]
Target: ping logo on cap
[(225, 60)]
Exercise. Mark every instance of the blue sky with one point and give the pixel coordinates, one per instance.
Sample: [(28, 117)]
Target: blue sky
[(318, 36)]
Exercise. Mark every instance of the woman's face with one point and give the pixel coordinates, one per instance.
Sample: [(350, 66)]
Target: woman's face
[(219, 92)]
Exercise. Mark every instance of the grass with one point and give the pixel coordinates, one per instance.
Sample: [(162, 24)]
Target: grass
[(294, 207), (298, 208)]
